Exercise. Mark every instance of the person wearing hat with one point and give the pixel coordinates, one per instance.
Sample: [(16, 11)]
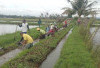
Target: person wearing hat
[(42, 33), (27, 40)]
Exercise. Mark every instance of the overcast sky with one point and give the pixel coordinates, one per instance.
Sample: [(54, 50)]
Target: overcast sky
[(34, 7)]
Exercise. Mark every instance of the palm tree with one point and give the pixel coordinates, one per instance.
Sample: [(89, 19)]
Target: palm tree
[(68, 11), (81, 6)]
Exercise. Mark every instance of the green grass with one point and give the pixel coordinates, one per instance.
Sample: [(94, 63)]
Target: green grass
[(34, 56), (97, 22), (8, 43), (30, 21), (75, 54), (27, 19)]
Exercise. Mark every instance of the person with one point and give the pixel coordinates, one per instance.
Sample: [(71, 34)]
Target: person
[(47, 29), (39, 22), (27, 40), (42, 33), (51, 32), (24, 26), (78, 21), (65, 23), (51, 27)]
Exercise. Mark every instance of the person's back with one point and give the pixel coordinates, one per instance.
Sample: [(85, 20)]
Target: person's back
[(27, 38), (27, 41), (42, 31), (47, 29)]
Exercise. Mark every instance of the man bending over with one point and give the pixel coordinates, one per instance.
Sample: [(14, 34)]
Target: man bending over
[(27, 40)]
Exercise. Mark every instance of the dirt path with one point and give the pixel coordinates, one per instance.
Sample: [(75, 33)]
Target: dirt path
[(6, 57), (54, 56)]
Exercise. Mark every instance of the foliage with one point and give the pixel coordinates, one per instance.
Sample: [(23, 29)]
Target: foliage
[(9, 41), (34, 56), (74, 53), (82, 7), (84, 30), (19, 20), (68, 11)]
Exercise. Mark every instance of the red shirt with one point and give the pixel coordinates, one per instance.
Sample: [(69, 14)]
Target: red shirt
[(65, 22), (78, 20), (51, 31)]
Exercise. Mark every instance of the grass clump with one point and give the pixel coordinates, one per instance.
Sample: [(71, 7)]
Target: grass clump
[(74, 53)]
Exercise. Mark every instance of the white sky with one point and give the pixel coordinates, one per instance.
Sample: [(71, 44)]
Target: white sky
[(33, 7)]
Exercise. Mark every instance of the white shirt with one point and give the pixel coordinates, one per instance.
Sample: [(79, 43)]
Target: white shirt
[(24, 27), (52, 26)]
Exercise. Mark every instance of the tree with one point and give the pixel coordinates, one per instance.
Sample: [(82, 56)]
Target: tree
[(81, 6), (68, 11)]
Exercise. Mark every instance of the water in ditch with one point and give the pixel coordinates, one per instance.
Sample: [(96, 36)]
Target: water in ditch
[(8, 56), (55, 54), (96, 39)]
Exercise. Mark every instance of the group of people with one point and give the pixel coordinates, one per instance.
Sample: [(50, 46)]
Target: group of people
[(27, 40), (49, 31), (65, 23)]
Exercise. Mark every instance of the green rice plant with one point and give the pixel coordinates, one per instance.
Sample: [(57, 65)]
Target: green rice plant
[(8, 43), (34, 56)]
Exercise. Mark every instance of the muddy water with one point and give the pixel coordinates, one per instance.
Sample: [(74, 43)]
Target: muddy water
[(8, 56), (54, 56), (10, 28), (96, 39)]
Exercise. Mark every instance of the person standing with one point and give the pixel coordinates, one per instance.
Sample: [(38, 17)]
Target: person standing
[(51, 27), (39, 22), (65, 23), (78, 21), (24, 26)]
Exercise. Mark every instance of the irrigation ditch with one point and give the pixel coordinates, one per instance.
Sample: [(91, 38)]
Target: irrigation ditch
[(37, 54), (55, 54), (9, 55)]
